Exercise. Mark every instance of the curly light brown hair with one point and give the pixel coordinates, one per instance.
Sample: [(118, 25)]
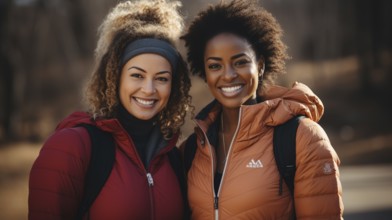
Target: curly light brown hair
[(129, 21), (244, 18)]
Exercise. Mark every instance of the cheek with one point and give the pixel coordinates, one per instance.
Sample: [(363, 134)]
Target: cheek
[(123, 86), (125, 90), (211, 86), (210, 79), (165, 93)]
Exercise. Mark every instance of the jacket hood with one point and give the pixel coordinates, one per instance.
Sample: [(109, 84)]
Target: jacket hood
[(285, 103), (110, 125), (279, 104), (75, 119)]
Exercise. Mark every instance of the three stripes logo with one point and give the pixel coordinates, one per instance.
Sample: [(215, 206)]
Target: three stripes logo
[(254, 164)]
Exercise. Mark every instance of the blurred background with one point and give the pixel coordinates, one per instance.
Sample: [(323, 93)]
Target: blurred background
[(342, 49)]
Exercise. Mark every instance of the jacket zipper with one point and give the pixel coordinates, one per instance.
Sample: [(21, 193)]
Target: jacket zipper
[(216, 196), (150, 182), (227, 160), (212, 171)]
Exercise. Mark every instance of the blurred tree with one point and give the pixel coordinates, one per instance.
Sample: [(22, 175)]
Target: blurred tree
[(6, 75), (373, 37), (79, 23)]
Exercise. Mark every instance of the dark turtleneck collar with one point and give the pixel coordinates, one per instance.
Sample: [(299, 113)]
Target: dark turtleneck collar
[(133, 125), (139, 131)]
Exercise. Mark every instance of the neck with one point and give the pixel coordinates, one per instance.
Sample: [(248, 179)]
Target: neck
[(230, 119), (230, 116)]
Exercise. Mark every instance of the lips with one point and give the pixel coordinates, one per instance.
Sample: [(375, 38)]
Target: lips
[(145, 102)]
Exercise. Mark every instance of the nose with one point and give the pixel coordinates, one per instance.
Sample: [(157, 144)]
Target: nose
[(229, 73), (148, 87)]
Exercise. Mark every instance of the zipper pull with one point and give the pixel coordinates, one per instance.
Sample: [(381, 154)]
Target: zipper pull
[(150, 179), (216, 199)]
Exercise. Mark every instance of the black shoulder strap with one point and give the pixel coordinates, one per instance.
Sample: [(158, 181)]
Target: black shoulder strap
[(100, 166), (285, 151), (178, 167), (189, 151)]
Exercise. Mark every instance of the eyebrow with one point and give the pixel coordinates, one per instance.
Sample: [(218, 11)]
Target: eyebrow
[(144, 71), (238, 55), (138, 68), (232, 58), (163, 72)]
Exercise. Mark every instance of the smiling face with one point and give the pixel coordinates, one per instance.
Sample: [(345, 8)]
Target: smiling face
[(232, 71), (145, 85)]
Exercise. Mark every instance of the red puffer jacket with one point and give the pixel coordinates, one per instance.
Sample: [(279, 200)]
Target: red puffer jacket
[(57, 177)]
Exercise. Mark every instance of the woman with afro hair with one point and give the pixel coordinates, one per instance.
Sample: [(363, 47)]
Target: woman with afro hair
[(138, 94), (232, 173)]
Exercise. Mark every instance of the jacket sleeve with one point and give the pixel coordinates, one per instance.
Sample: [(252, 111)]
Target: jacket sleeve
[(57, 176), (318, 191)]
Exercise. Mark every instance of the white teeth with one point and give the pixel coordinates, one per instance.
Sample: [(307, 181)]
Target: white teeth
[(231, 89), (144, 102)]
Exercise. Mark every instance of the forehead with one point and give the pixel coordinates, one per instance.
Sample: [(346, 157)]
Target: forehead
[(225, 42)]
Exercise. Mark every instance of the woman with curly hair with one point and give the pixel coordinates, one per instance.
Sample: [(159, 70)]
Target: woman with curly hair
[(138, 96), (232, 172)]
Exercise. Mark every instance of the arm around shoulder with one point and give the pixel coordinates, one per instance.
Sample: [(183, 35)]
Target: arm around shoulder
[(318, 191), (57, 176)]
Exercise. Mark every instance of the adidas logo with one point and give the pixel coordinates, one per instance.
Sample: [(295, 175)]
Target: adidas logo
[(254, 164)]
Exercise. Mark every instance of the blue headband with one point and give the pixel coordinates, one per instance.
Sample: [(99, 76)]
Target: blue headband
[(151, 45)]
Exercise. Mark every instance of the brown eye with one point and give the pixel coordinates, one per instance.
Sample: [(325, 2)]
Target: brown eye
[(241, 62), (214, 66), (162, 79), (136, 75)]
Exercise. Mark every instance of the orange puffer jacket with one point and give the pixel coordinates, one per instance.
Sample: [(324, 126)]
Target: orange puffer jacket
[(250, 181)]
